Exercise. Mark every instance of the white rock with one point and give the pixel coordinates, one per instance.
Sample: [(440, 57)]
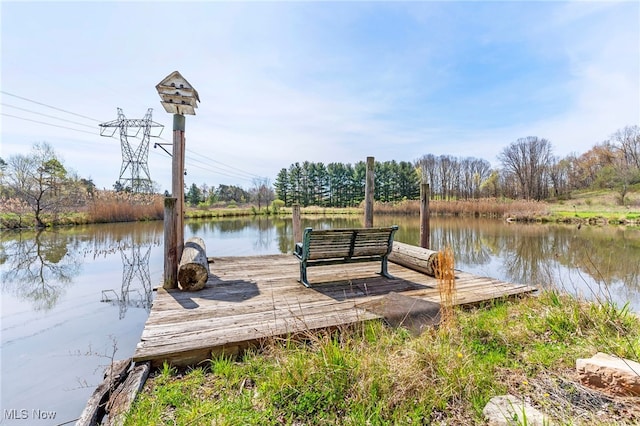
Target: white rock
[(507, 410), (615, 375)]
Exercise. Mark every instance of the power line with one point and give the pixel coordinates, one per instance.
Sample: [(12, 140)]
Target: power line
[(248, 174), (49, 106), (48, 124), (46, 115), (237, 173), (207, 167), (217, 172), (231, 173), (234, 172)]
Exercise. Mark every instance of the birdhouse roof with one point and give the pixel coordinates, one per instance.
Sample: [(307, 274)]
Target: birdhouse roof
[(175, 80)]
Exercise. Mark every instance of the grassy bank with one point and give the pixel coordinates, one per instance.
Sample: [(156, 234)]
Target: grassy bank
[(103, 207), (371, 374), (238, 211), (596, 207), (586, 207), (499, 208)]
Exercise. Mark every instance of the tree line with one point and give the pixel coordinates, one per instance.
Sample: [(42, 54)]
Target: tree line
[(342, 185), (529, 170), (40, 183)]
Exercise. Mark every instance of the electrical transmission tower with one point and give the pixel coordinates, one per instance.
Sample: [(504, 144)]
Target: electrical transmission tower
[(134, 173)]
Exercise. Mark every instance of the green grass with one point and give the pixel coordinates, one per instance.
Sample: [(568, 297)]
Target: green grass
[(582, 207), (598, 206), (27, 220), (371, 374), (216, 212)]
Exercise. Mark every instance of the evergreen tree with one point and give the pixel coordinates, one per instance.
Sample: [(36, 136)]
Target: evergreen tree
[(281, 186)]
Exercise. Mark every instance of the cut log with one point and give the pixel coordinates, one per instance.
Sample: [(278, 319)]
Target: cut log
[(416, 258), (193, 271)]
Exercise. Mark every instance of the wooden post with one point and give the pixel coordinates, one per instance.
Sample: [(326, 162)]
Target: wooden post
[(170, 244), (177, 179), (297, 224), (425, 230), (368, 193)]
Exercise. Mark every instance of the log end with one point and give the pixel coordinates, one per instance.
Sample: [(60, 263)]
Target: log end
[(192, 277)]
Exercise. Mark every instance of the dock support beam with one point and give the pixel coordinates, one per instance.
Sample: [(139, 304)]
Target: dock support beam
[(297, 224), (177, 179), (170, 246), (368, 193), (425, 228)]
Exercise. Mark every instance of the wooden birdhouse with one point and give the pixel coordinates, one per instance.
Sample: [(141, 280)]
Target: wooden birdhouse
[(178, 96)]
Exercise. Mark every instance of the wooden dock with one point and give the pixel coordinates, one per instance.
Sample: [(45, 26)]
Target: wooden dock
[(248, 299)]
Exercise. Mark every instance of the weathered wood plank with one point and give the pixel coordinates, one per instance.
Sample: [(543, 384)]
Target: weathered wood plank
[(237, 335), (248, 299), (120, 403)]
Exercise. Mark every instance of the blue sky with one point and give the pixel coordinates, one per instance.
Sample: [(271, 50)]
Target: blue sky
[(281, 82)]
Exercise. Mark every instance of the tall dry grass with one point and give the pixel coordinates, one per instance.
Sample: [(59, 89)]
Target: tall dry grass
[(445, 273), (110, 206), (484, 207)]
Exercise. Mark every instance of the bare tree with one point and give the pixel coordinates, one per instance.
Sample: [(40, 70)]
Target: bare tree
[(528, 160), (559, 175), (626, 162), (40, 180), (262, 192), (627, 141)]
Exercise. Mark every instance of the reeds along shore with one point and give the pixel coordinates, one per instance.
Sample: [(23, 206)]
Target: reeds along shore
[(485, 207), (125, 207), (109, 206)]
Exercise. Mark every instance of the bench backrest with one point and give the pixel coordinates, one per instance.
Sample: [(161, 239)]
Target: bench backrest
[(347, 243)]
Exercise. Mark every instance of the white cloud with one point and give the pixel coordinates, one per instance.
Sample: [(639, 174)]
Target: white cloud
[(288, 82)]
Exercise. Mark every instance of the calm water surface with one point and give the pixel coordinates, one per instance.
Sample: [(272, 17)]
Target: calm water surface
[(73, 299)]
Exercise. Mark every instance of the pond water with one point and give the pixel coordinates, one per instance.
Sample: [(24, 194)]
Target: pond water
[(74, 298)]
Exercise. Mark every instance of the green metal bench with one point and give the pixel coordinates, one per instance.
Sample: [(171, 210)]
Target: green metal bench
[(336, 246)]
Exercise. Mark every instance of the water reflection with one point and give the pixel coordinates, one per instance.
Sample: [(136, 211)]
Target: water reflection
[(38, 266), (134, 243), (534, 253), (601, 260), (135, 269)]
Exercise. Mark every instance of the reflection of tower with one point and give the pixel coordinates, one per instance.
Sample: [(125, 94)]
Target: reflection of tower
[(134, 161), (134, 269)]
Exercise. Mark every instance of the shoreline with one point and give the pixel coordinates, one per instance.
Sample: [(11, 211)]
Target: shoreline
[(595, 220)]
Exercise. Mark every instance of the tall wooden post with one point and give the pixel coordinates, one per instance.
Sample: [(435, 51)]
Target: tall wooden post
[(170, 254), (425, 230), (297, 224), (177, 179), (368, 193)]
